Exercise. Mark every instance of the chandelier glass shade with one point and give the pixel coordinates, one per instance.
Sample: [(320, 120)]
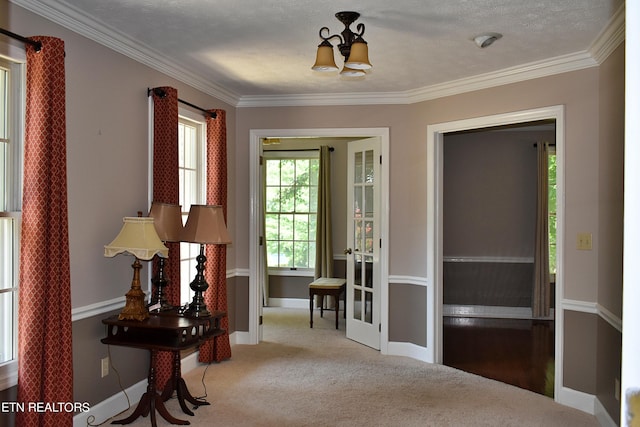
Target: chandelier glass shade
[(351, 45)]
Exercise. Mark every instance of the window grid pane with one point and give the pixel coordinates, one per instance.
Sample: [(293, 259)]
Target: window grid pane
[(290, 218)]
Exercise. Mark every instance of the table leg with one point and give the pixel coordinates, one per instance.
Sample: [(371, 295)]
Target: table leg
[(180, 386), (151, 400), (311, 310), (336, 300)]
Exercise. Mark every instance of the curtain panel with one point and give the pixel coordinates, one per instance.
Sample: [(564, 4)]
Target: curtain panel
[(166, 189), (215, 297), (541, 300), (45, 365), (324, 242)]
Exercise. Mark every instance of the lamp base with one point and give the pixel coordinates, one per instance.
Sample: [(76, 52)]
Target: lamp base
[(134, 308), (198, 308), (158, 301)]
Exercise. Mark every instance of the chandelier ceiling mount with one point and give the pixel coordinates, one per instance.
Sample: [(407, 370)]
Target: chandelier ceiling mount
[(351, 45)]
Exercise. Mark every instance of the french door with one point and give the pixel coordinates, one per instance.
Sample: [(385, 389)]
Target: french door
[(363, 242)]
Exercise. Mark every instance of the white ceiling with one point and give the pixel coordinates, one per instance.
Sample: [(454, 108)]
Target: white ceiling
[(252, 51)]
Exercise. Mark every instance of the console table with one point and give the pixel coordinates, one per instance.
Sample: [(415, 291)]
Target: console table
[(163, 332)]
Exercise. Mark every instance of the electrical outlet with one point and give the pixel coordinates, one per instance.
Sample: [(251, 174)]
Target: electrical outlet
[(104, 368), (584, 241)]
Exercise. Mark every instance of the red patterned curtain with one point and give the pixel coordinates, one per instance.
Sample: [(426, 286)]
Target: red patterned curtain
[(166, 189), (45, 366), (216, 269)]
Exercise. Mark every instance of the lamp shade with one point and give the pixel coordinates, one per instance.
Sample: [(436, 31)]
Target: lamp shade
[(205, 225), (137, 237), (324, 58), (167, 219), (359, 55)]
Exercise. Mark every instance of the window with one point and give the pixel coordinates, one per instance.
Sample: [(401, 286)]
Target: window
[(11, 131), (291, 196), (552, 212), (191, 167)]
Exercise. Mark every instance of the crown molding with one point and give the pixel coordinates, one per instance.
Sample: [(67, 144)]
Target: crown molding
[(78, 22), (610, 37), (606, 42), (533, 70)]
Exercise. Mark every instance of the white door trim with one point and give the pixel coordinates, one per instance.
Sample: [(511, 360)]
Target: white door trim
[(435, 140), (255, 279)]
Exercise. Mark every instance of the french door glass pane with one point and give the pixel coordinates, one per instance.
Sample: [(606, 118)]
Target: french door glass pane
[(358, 168), (368, 307), (369, 178), (357, 304)]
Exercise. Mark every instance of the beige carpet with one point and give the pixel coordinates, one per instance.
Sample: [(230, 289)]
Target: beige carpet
[(316, 377)]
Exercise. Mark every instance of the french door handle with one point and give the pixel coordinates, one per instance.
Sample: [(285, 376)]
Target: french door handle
[(347, 251)]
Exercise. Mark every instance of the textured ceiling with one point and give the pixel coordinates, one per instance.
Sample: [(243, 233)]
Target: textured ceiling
[(253, 48)]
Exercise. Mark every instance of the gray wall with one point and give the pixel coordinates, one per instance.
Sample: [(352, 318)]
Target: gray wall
[(490, 182), (129, 365)]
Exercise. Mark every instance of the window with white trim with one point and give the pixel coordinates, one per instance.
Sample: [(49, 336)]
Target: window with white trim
[(191, 166), (291, 198), (11, 144)]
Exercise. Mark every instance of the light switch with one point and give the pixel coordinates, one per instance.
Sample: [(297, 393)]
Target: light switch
[(584, 242)]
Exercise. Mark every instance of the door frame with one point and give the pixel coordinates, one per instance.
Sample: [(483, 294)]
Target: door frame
[(255, 203), (435, 190)]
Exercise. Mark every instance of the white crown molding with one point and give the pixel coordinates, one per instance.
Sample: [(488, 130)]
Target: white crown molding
[(87, 26), (610, 37), (606, 42)]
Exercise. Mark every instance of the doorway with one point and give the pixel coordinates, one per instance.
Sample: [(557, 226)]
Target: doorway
[(435, 185), (490, 184), (257, 267)]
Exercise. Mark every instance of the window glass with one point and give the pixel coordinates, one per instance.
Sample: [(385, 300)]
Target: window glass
[(11, 125), (191, 176), (291, 197)]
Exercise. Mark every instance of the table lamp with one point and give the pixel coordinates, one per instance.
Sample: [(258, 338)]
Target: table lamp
[(167, 219), (205, 225), (138, 237)]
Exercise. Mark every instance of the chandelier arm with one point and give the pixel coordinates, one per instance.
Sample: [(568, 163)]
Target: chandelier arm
[(360, 29), (329, 37)]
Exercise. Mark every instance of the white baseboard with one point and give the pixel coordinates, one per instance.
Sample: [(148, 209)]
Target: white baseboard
[(603, 417), (409, 350), (576, 399), (289, 302), (239, 337), (111, 406), (496, 312)]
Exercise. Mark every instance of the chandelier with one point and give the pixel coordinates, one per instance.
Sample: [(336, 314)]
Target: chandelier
[(352, 46)]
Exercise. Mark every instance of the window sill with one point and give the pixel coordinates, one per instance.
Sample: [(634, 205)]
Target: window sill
[(291, 273), (9, 375)]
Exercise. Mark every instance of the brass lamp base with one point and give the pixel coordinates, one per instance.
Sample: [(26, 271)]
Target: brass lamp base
[(135, 308)]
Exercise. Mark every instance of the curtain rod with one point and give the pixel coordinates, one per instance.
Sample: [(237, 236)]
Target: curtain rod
[(301, 149), (161, 93), (35, 44)]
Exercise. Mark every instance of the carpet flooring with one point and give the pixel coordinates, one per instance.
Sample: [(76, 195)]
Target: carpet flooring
[(299, 376)]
